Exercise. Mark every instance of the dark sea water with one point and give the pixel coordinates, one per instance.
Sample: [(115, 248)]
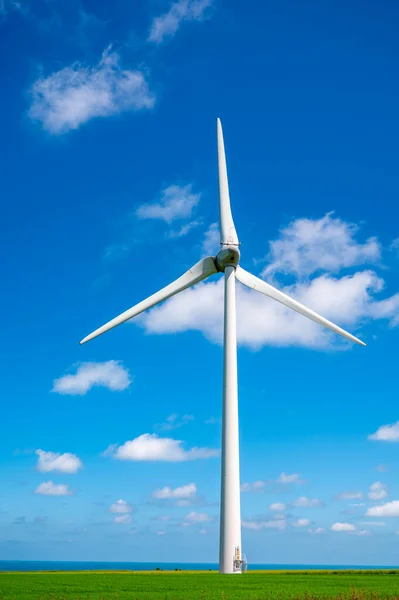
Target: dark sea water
[(22, 565)]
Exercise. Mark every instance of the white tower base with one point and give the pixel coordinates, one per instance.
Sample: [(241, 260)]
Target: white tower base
[(230, 518)]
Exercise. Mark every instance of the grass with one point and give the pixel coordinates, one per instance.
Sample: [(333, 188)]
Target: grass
[(195, 585)]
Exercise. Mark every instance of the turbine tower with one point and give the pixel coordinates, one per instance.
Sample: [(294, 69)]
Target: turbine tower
[(227, 262)]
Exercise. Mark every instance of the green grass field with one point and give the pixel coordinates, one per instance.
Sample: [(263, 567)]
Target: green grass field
[(186, 585)]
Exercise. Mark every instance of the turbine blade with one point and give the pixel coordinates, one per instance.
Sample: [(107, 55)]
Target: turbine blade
[(203, 269), (264, 288), (228, 233)]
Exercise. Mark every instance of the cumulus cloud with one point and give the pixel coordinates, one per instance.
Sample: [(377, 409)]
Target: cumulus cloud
[(349, 300), (110, 374), (121, 506), (150, 447), (343, 527), (304, 502), (124, 519), (386, 433), (378, 491), (49, 488), (176, 202), (306, 246), (182, 492), (350, 495), (166, 25), (68, 98), (63, 463), (390, 509)]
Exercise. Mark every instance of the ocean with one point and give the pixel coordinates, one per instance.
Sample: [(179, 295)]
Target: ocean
[(27, 565)]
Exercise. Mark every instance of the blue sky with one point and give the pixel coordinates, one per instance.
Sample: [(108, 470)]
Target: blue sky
[(108, 111)]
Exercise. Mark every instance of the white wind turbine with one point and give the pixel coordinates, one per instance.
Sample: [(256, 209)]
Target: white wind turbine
[(226, 261)]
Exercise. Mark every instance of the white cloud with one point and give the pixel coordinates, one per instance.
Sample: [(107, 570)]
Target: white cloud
[(293, 478), (378, 491), (301, 523), (278, 506), (211, 243), (167, 493), (184, 229), (350, 301), (390, 509), (160, 533), (317, 531), (110, 374), (66, 99), (343, 527), (279, 524), (48, 488), (150, 447), (173, 422), (122, 519), (361, 532), (52, 461), (386, 433), (121, 506), (373, 523), (195, 517), (350, 496), (304, 502), (176, 202), (167, 24), (256, 486), (382, 468), (203, 531), (306, 246)]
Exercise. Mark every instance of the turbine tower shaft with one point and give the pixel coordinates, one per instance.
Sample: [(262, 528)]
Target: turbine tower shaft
[(230, 519)]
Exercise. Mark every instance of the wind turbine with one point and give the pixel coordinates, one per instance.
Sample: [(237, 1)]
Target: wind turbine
[(226, 261)]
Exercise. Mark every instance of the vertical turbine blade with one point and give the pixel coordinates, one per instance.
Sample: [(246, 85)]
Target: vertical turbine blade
[(228, 233)]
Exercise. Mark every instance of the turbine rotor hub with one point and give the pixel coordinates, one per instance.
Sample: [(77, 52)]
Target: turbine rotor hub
[(228, 256)]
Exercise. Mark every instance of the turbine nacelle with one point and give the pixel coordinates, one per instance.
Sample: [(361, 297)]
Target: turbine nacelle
[(228, 256)]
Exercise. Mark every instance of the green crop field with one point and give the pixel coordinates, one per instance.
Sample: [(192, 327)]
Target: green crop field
[(185, 585)]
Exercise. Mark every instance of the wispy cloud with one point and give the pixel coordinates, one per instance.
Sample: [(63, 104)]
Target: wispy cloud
[(257, 525), (176, 202), (211, 241), (63, 463), (350, 495), (111, 374), (286, 478), (123, 519), (167, 24), (66, 99), (386, 433), (343, 527), (174, 422), (304, 502), (150, 447)]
